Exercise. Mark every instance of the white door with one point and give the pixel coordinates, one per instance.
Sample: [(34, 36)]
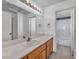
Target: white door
[(6, 26)]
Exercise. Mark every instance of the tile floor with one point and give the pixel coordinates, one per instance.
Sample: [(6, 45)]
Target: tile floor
[(62, 53)]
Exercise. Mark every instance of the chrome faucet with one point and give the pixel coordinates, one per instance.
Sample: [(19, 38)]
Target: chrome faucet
[(28, 39)]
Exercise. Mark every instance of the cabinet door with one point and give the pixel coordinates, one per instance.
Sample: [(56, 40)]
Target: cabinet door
[(38, 57), (43, 55), (48, 51), (36, 52), (49, 47)]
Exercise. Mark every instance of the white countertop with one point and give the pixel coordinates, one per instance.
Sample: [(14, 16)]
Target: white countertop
[(17, 51)]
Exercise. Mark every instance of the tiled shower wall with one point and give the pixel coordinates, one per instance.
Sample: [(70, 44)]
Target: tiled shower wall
[(63, 32)]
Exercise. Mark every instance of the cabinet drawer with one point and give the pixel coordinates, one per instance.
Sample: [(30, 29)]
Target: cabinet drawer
[(36, 52), (49, 42)]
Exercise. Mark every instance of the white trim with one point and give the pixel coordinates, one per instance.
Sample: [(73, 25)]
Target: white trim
[(23, 6)]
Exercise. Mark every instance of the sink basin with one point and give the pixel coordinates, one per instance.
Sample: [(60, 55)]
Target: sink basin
[(30, 43)]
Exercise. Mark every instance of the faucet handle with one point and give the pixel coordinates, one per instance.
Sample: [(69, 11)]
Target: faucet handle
[(28, 39), (24, 37)]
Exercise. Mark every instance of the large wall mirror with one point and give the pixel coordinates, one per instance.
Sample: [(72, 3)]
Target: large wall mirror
[(9, 25)]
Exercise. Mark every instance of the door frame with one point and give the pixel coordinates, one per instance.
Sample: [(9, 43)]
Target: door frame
[(72, 28)]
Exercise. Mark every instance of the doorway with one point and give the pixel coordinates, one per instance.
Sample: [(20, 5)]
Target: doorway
[(65, 30)]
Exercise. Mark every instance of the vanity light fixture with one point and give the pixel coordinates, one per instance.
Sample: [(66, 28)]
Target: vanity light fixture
[(30, 4)]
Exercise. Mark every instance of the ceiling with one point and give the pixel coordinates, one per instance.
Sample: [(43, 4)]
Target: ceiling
[(45, 3)]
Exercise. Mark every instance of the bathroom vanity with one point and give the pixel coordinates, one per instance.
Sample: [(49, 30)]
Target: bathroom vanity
[(41, 52), (39, 48)]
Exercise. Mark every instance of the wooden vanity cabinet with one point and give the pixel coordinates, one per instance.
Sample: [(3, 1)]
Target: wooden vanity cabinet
[(42, 52), (43, 55), (38, 57), (37, 52), (49, 47)]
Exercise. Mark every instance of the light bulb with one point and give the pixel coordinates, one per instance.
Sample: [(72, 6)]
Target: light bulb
[(28, 1)]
